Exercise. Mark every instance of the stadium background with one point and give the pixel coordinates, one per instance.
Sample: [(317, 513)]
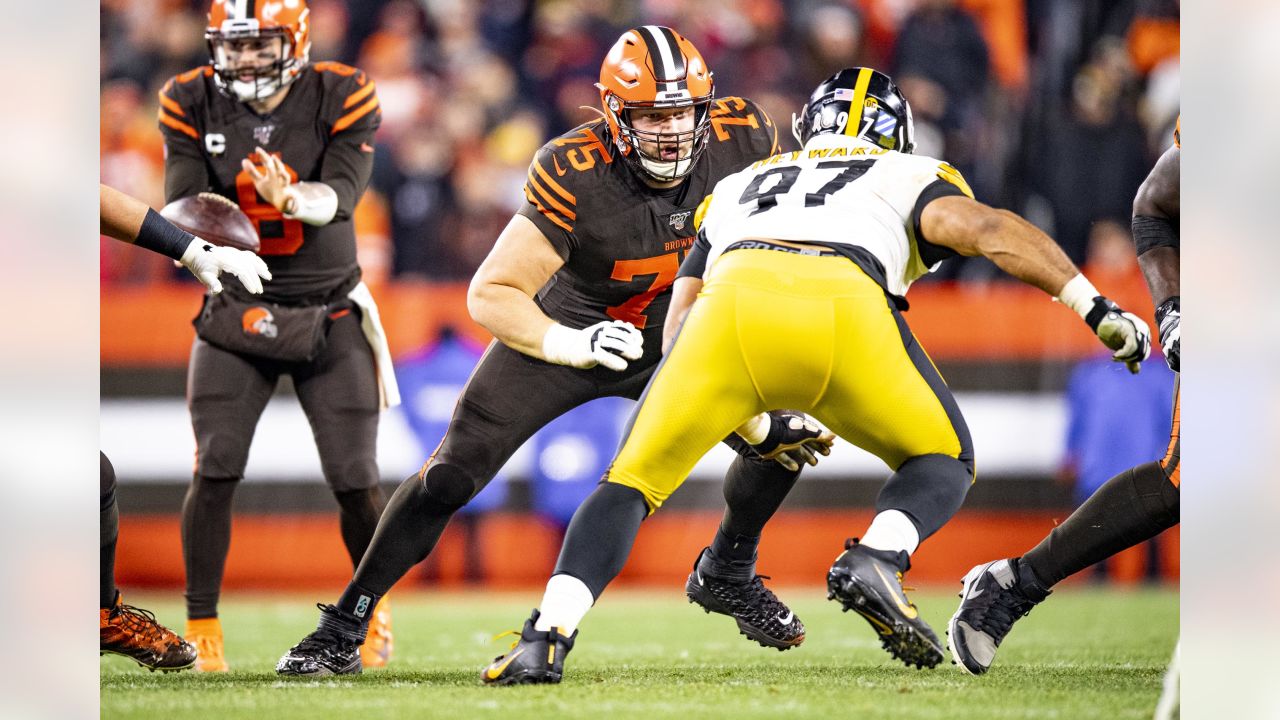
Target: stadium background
[(1052, 109)]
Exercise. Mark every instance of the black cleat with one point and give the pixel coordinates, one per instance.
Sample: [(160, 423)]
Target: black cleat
[(760, 615), (994, 596), (869, 582), (333, 649), (536, 658)]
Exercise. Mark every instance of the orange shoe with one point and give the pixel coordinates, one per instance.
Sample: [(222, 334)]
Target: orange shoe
[(378, 644), (206, 635), (135, 634)]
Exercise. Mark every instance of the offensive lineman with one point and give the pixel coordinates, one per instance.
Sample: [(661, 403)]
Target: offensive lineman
[(290, 141), (806, 257), (1128, 509), (575, 291)]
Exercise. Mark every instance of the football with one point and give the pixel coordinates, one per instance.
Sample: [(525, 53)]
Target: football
[(213, 218)]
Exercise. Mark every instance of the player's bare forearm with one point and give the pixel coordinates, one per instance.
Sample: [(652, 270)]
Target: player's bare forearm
[(683, 294), (1013, 244), (121, 215), (1160, 266), (501, 294)]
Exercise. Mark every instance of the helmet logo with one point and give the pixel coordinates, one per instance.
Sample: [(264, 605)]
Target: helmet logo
[(614, 105), (258, 320)]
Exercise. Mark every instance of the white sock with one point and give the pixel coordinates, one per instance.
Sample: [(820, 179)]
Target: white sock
[(564, 604), (892, 530)]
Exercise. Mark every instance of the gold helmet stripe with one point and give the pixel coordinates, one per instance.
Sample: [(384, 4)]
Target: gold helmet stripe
[(854, 124)]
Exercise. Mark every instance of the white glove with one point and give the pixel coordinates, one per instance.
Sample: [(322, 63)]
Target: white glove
[(207, 261), (610, 343)]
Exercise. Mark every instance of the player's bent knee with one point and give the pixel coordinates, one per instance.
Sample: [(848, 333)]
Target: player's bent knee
[(107, 478), (653, 496), (448, 484)]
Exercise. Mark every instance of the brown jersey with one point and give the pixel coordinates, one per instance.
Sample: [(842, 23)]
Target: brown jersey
[(323, 131), (622, 241)]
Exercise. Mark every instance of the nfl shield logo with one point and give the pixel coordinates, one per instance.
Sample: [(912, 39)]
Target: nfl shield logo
[(262, 133), (679, 219)]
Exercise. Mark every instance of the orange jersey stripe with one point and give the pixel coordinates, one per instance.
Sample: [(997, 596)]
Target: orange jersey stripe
[(350, 118), (555, 185), (550, 199), (178, 125), (171, 105), (357, 96), (334, 67), (542, 209), (190, 75)]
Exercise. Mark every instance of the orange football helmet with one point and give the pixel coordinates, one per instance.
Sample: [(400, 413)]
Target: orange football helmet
[(258, 47), (655, 67)]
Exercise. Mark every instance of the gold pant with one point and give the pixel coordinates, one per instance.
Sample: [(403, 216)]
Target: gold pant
[(774, 330)]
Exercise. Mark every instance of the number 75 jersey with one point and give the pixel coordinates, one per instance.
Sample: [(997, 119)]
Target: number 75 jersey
[(840, 192), (622, 241)]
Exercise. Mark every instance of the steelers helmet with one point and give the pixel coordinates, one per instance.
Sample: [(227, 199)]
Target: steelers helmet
[(858, 102), (652, 66)]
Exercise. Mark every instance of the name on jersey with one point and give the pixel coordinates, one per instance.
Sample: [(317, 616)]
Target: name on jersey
[(818, 154), (681, 244)]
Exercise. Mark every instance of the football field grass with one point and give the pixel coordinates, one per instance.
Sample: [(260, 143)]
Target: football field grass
[(1085, 653)]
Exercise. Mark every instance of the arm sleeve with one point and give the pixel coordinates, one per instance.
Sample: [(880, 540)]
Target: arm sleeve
[(695, 261), (348, 158), (185, 171), (550, 203), (932, 254)]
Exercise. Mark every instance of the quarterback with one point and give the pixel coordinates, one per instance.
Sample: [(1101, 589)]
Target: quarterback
[(793, 294), (289, 141)]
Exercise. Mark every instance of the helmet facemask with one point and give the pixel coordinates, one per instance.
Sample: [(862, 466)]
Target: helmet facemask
[(690, 144), (233, 49)]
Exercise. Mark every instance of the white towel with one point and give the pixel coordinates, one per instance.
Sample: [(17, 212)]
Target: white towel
[(371, 324)]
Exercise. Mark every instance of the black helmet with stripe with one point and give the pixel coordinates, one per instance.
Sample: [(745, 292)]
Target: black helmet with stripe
[(859, 102)]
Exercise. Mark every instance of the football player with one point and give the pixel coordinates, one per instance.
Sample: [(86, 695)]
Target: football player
[(575, 291), (124, 629), (290, 141), (1128, 509), (799, 274)]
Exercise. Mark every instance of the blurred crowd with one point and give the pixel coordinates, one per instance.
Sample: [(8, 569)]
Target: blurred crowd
[(1055, 109)]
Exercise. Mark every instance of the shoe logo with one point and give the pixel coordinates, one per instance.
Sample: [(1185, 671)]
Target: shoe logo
[(786, 619), (495, 671), (903, 607), (362, 606), (976, 593), (698, 574)]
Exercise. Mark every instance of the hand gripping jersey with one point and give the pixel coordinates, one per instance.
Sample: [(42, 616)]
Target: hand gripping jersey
[(844, 193), (621, 240), (323, 130)]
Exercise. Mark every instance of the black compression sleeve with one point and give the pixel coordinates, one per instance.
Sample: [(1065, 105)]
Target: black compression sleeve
[(1153, 232), (695, 261), (159, 235)]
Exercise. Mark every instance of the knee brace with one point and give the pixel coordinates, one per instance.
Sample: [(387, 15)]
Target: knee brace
[(448, 484)]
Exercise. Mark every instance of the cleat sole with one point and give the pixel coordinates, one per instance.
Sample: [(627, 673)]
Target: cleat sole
[(898, 637)]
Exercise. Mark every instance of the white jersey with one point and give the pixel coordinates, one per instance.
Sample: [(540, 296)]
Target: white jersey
[(842, 192)]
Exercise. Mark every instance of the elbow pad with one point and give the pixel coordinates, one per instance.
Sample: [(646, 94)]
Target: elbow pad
[(314, 203)]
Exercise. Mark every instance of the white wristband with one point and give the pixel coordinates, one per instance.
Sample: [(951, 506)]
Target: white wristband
[(558, 344), (755, 430), (314, 203), (1078, 294)]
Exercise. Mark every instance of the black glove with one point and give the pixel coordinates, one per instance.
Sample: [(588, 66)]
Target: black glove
[(1121, 331), (1169, 319), (793, 439)]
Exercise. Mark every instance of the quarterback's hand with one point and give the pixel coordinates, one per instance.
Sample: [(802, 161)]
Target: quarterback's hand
[(272, 180), (794, 438), (610, 343), (1169, 318), (207, 261), (1121, 331)]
